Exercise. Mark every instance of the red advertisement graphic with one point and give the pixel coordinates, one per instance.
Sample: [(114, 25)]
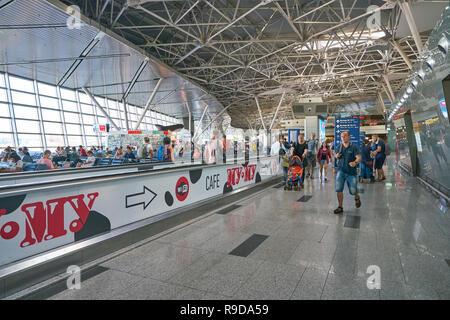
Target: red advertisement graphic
[(182, 189), (46, 223), (235, 175)]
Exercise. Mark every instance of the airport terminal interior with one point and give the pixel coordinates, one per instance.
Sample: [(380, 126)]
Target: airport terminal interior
[(224, 150)]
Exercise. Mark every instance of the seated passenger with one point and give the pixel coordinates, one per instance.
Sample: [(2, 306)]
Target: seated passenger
[(129, 155), (26, 155), (119, 153), (82, 152), (46, 160), (89, 161), (15, 164), (5, 152)]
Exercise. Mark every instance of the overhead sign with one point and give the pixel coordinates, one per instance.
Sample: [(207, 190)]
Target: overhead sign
[(134, 132), (346, 124), (101, 128)]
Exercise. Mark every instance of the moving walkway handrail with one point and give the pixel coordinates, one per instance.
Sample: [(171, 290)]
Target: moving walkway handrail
[(77, 181)]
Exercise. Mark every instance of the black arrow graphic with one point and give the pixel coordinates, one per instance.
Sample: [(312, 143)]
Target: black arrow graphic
[(136, 199)]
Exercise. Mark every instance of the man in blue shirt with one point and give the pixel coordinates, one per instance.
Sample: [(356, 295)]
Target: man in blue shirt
[(129, 155), (378, 152), (348, 158)]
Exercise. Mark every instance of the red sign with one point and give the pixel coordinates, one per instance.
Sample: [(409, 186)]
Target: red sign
[(135, 132), (46, 222), (166, 133), (182, 189), (236, 174), (102, 128)]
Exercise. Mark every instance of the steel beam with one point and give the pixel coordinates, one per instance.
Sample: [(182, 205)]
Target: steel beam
[(278, 108), (135, 78), (388, 84), (260, 114), (200, 123), (412, 24), (100, 108), (150, 100), (402, 53)]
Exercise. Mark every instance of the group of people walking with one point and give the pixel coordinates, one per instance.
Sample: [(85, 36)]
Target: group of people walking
[(347, 158)]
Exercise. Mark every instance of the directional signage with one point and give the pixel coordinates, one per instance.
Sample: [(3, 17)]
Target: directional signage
[(346, 124), (143, 198)]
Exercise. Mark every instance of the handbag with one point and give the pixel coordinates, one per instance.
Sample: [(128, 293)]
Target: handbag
[(369, 163)]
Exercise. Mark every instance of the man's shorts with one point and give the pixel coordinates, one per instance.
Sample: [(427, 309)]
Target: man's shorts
[(311, 159), (379, 161), (352, 182)]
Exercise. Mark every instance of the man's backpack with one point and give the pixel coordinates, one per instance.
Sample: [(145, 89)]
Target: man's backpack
[(142, 152), (281, 152)]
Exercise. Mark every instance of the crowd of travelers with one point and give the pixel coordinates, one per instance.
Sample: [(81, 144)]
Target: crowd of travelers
[(346, 158), (71, 157)]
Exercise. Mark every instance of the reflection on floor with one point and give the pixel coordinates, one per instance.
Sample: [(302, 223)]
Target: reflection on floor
[(293, 250)]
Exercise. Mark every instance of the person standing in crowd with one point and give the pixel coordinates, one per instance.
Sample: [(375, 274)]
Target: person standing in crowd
[(285, 159), (300, 149), (146, 150), (168, 155), (313, 147), (366, 162), (46, 160), (378, 151), (324, 158), (348, 158)]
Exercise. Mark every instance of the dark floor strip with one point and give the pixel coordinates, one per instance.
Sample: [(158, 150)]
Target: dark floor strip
[(229, 209), (61, 285), (279, 185), (247, 247), (448, 261), (304, 198), (360, 190), (352, 222)]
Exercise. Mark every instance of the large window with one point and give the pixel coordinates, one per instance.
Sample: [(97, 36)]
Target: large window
[(45, 116)]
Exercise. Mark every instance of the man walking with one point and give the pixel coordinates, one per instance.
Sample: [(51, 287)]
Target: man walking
[(300, 149), (348, 158), (313, 147), (378, 152)]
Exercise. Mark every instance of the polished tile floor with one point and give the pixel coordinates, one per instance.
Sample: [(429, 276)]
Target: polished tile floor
[(303, 250)]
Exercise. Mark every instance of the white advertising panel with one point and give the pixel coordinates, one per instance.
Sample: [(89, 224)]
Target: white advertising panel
[(41, 220)]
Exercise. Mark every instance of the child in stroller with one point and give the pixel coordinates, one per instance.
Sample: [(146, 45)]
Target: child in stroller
[(295, 174)]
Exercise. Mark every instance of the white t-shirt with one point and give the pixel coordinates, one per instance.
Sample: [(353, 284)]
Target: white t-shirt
[(14, 165), (89, 159)]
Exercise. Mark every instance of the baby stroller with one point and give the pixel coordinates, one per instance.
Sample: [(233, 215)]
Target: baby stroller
[(294, 179)]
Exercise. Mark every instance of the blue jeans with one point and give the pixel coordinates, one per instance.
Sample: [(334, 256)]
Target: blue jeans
[(352, 182), (366, 171), (285, 170)]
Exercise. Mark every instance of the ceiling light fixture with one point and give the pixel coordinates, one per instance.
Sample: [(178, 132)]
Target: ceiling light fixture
[(409, 90), (430, 62), (421, 75), (443, 45)]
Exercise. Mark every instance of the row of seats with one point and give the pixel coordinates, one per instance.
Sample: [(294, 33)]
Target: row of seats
[(99, 162)]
